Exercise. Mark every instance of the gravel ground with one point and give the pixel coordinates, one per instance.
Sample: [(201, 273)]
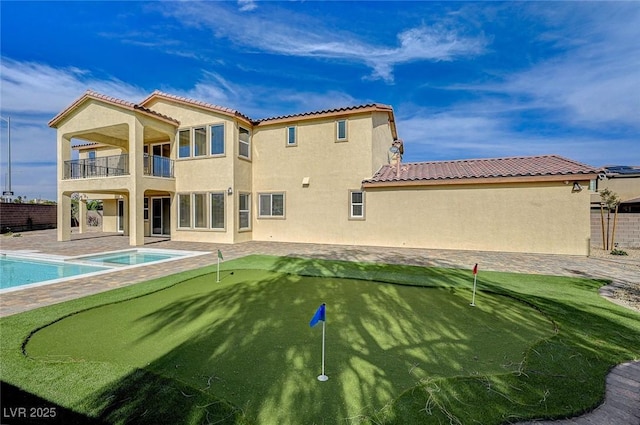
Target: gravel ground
[(626, 293)]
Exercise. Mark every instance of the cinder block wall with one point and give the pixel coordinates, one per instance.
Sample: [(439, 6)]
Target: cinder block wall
[(627, 230), (23, 217)]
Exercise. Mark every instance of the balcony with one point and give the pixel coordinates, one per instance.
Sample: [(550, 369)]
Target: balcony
[(116, 165)]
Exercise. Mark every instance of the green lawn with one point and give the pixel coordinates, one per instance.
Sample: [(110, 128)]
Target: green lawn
[(185, 349)]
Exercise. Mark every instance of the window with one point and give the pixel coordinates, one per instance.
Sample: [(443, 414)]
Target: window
[(217, 139), (356, 204), (291, 136), (199, 210), (271, 205), (92, 154), (245, 211), (217, 210), (184, 144), (146, 209), (341, 130), (184, 210), (244, 140), (199, 141)]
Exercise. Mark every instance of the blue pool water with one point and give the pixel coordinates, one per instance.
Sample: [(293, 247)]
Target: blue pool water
[(16, 271), (129, 258)]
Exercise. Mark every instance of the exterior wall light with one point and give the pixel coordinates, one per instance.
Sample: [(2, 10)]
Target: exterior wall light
[(229, 191), (576, 187)]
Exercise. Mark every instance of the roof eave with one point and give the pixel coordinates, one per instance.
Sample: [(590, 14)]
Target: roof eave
[(343, 112), (89, 95), (479, 180), (196, 104)]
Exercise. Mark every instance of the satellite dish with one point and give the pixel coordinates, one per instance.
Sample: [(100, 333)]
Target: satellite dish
[(394, 149), (602, 176)]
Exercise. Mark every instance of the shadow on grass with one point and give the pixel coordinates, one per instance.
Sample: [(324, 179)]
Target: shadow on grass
[(143, 397), (563, 377), (23, 408), (251, 346)]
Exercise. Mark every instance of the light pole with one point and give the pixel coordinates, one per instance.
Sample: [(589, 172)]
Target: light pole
[(8, 192)]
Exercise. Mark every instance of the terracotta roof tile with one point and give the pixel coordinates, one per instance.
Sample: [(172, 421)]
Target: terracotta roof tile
[(378, 106), (199, 103), (90, 94), (469, 169)]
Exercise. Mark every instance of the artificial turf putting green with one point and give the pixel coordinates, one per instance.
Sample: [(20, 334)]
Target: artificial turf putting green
[(246, 340)]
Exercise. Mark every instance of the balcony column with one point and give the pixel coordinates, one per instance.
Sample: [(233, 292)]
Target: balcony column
[(64, 216), (136, 191), (64, 198), (82, 215)]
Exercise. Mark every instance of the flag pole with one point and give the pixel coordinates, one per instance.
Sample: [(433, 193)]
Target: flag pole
[(475, 278), (323, 377), (219, 258)]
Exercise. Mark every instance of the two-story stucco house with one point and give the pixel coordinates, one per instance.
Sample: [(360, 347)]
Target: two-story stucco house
[(178, 167)]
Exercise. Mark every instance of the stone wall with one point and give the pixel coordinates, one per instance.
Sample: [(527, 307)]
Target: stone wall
[(23, 217), (627, 229)]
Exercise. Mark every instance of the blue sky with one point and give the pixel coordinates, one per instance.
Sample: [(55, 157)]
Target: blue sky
[(466, 80)]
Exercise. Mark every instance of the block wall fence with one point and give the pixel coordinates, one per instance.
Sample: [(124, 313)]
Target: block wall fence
[(23, 217), (627, 230)]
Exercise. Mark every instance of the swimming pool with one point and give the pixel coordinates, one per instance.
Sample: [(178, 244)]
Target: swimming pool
[(128, 258), (23, 270), (19, 271)]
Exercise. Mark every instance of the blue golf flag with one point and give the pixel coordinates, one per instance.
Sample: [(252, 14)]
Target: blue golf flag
[(320, 315)]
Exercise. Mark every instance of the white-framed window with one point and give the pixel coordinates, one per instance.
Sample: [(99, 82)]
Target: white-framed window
[(199, 141), (146, 209), (199, 210), (184, 143), (292, 136), (217, 210), (341, 130), (244, 211), (356, 204), (184, 210), (271, 205), (244, 143), (216, 136)]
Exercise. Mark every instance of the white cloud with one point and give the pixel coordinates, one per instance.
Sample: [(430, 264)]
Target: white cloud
[(593, 81), (247, 5), (31, 87), (296, 35), (468, 133)]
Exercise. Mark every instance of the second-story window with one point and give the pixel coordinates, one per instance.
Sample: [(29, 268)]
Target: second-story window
[(291, 136), (217, 139), (341, 130), (199, 141), (184, 143), (244, 143)]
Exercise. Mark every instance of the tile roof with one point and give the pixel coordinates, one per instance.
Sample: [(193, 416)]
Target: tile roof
[(90, 94), (470, 170), (198, 103), (369, 106)]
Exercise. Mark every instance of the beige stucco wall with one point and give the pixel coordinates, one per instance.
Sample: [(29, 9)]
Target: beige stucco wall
[(110, 215), (317, 211), (542, 218)]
